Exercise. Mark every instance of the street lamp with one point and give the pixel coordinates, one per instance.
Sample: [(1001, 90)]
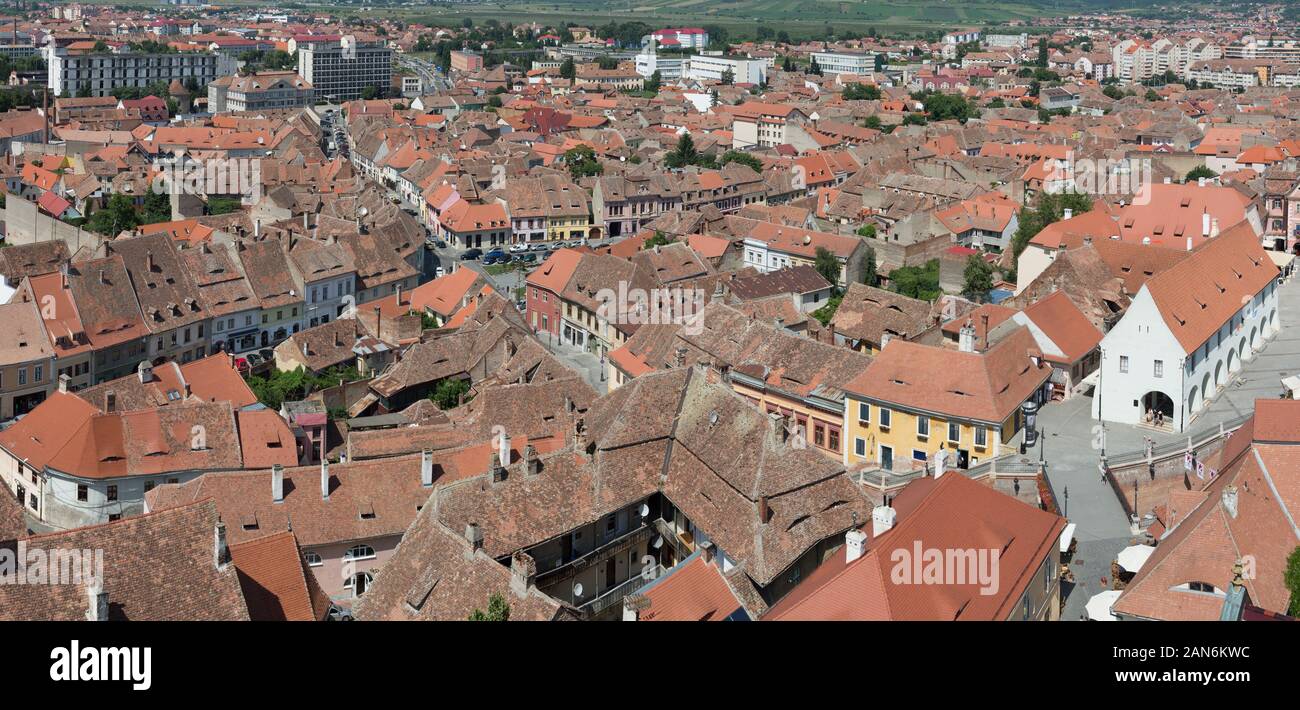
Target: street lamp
[(1029, 409)]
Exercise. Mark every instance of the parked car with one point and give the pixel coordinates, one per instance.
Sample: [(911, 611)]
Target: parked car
[(268, 354), (254, 360), (528, 258), (471, 254), (494, 256), (540, 246), (516, 248), (241, 365)]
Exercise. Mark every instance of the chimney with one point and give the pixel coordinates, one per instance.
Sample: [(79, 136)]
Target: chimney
[(777, 432), (257, 228), (498, 471), (63, 383), (397, 294), (940, 462), (426, 468), (277, 483), (148, 260), (679, 357), (1214, 227), (503, 448), (1067, 213), (1230, 501), (764, 510), (103, 280), (379, 324), (855, 542), (1200, 182), (717, 293), (475, 536), (63, 274), (966, 337), (221, 551), (523, 573), (1205, 223), (325, 479), (882, 520), (1189, 242), (145, 371), (707, 551), (96, 602), (110, 402), (532, 464)]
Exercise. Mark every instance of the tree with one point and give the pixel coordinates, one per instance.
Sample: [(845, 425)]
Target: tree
[(684, 154), (869, 267), (1291, 577), (658, 240), (873, 122), (653, 83), (728, 77), (117, 216), (582, 162), (1151, 95), (736, 156), (498, 610), (448, 393), (867, 230), (1199, 172), (1050, 208), (568, 70), (977, 279), (1042, 52), (827, 264), (917, 281), (866, 92), (1112, 92), (814, 68)]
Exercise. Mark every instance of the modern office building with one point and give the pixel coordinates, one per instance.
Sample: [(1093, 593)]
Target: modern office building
[(845, 62), (342, 68)]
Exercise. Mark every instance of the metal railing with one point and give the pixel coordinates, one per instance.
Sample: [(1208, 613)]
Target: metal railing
[(615, 594), (1198, 439), (548, 567)]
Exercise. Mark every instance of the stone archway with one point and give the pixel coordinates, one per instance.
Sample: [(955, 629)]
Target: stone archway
[(1192, 399), (1234, 360), (1218, 374), (1254, 339), (1157, 401)]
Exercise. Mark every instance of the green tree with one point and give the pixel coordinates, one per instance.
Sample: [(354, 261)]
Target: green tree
[(873, 122), (653, 83), (827, 312), (1050, 208), (117, 216), (866, 92), (498, 610), (917, 281), (658, 240), (684, 154), (736, 156), (977, 279), (582, 162), (1291, 577), (814, 68), (1042, 52), (827, 264), (447, 395), (728, 77), (869, 267), (867, 230), (568, 70), (1199, 172)]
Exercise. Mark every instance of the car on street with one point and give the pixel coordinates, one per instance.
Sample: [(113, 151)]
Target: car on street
[(516, 248), (471, 254), (496, 256), (539, 246)]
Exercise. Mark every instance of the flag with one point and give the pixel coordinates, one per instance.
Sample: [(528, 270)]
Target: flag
[(1200, 470), (1187, 461)]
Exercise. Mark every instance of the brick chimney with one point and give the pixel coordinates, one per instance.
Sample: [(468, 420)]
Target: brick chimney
[(325, 479), (96, 602), (474, 535), (523, 573), (498, 471), (221, 551), (532, 464)]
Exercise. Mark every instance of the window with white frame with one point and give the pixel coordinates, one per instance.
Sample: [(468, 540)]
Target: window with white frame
[(312, 559), (360, 552), (922, 426), (1123, 363), (981, 437)]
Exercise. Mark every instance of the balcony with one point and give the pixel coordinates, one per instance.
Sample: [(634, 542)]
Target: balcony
[(550, 567), (615, 594)]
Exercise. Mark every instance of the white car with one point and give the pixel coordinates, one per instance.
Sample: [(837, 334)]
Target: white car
[(517, 248)]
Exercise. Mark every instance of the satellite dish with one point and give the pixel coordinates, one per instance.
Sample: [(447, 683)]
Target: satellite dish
[(577, 589), (658, 543), (645, 510)]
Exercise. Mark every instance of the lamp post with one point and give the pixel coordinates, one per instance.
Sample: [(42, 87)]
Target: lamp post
[(1029, 409)]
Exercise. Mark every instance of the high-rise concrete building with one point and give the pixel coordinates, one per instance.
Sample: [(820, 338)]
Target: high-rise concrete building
[(342, 68), (102, 72)]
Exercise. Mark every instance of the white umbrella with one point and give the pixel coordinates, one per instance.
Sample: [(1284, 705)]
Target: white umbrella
[(1099, 606), (1133, 557)]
